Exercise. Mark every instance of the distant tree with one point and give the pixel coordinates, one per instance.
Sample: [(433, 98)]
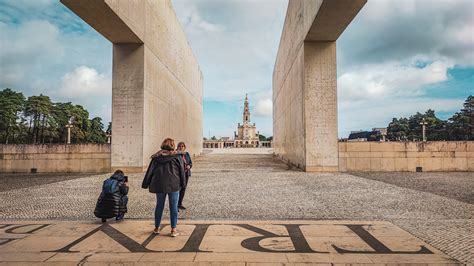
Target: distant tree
[(204, 138), (461, 124), (11, 105), (96, 133), (38, 109), (38, 120), (213, 138), (398, 129), (77, 115), (270, 138), (262, 137), (458, 127)]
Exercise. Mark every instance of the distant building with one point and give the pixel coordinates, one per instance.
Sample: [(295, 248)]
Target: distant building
[(377, 134), (246, 135)]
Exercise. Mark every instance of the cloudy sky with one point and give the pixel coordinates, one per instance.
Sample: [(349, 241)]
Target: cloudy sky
[(396, 58)]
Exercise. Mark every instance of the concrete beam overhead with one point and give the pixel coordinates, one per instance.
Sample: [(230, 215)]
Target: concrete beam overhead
[(100, 16)]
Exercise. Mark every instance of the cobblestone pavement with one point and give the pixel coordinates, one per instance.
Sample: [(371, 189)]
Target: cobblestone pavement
[(16, 181), (454, 185), (259, 187)]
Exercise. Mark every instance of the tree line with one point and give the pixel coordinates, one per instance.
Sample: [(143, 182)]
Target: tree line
[(38, 120), (459, 127)]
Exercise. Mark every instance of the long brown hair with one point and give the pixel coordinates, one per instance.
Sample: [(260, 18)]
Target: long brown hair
[(168, 144)]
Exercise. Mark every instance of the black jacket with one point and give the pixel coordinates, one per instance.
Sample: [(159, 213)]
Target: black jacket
[(110, 205), (188, 162), (165, 173)]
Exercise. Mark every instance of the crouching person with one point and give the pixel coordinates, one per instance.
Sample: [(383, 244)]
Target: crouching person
[(113, 199)]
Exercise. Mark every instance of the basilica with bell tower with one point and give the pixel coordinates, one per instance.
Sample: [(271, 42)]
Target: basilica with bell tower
[(247, 134)]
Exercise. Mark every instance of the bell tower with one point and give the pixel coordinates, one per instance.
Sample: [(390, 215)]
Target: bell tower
[(246, 110)]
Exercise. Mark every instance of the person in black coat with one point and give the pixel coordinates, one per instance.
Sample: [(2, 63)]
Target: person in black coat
[(113, 199), (165, 177), (188, 164)]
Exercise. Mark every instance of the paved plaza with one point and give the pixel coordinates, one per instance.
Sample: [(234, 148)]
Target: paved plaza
[(231, 187)]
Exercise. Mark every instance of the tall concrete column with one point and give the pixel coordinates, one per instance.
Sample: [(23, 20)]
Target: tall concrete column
[(305, 83), (156, 80), (320, 107), (127, 107)]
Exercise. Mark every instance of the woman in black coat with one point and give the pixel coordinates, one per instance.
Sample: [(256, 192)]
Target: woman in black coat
[(165, 176), (188, 164)]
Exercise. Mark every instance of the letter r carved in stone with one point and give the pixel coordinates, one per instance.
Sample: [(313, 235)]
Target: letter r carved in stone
[(294, 233)]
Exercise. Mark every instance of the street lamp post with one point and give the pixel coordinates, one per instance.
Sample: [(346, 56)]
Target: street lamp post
[(69, 126), (423, 128)]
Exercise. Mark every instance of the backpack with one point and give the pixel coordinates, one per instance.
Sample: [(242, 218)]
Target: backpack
[(110, 186)]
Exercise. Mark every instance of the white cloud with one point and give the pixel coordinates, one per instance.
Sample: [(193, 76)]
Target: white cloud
[(387, 30), (264, 108), (85, 82), (386, 80), (367, 115), (235, 46), (393, 52), (25, 48), (197, 25)]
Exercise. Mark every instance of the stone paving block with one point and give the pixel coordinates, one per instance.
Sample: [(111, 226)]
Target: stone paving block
[(227, 244), (328, 258), (325, 243), (116, 257), (25, 256), (386, 230), (36, 244), (409, 258), (326, 230), (241, 257), (46, 263), (163, 242), (70, 257), (169, 257), (67, 229), (226, 230)]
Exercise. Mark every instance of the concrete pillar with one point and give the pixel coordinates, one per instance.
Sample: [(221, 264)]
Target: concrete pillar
[(127, 107), (156, 80), (320, 106), (305, 83)]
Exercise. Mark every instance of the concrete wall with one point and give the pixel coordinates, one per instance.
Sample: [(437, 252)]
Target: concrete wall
[(406, 156), (157, 83), (56, 158), (304, 83)]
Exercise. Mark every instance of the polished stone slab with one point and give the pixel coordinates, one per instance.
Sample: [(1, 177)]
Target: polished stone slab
[(201, 242)]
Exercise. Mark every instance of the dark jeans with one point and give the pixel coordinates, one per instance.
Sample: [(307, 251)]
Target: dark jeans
[(182, 191), (124, 201)]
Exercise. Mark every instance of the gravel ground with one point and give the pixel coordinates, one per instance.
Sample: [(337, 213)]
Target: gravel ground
[(246, 187), (16, 181), (455, 185)]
